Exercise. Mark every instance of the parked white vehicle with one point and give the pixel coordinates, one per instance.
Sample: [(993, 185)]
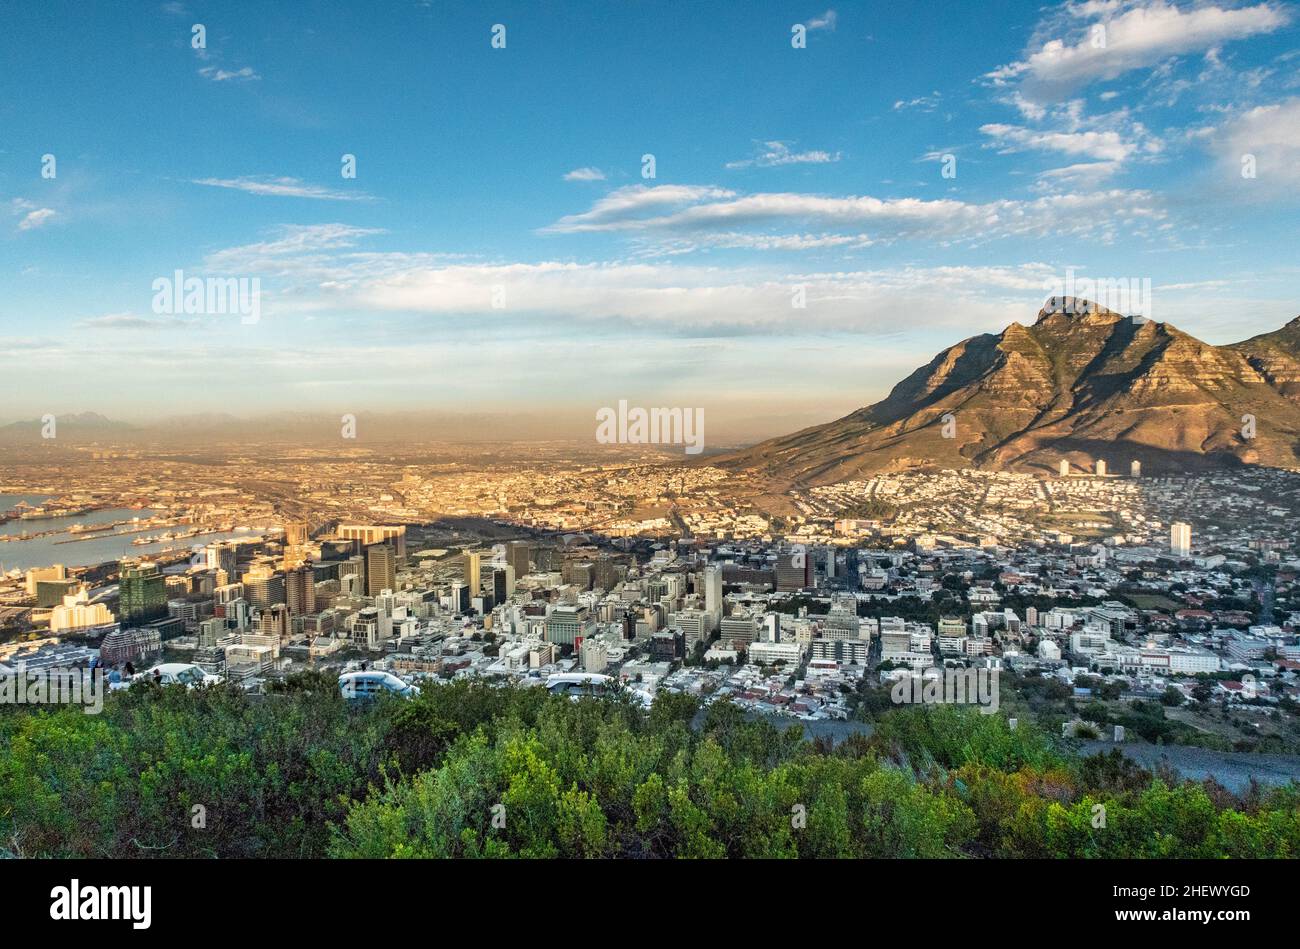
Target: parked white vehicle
[(368, 685), (179, 673)]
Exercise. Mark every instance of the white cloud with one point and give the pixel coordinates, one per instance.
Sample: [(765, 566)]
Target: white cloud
[(1271, 133), (585, 174), (129, 321), (217, 74), (1086, 174), (701, 213), (826, 21), (281, 187), (34, 219), (1144, 34), (1107, 146), (774, 154), (921, 103)]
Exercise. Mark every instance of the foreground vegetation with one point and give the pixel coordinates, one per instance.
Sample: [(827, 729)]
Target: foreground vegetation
[(468, 770)]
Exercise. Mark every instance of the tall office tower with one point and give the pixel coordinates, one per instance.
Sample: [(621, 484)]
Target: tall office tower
[(263, 585), (356, 566), (713, 595), (368, 535), (473, 567), (606, 573), (381, 569), (578, 572), (459, 597), (295, 533), (567, 624), (143, 594), (300, 590), (1065, 468), (223, 556), (1135, 469), (517, 553), (1101, 467), (499, 583), (1180, 538), (793, 571), (38, 574), (274, 622), (50, 593)]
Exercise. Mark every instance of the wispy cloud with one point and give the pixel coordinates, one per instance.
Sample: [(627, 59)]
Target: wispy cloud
[(281, 188), (129, 321), (217, 74), (826, 21), (774, 154), (920, 103), (34, 219), (585, 174), (1124, 35), (701, 214), (1108, 146)]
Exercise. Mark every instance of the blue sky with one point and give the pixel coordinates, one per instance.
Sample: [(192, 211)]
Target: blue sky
[(500, 247)]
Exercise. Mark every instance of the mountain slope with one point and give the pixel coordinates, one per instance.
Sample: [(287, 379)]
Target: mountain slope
[(1082, 383)]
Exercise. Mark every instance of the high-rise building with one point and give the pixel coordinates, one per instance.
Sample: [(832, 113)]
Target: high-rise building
[(473, 575), (223, 556), (368, 535), (1135, 469), (713, 595), (300, 590), (37, 574), (1065, 468), (793, 571), (143, 594), (274, 622), (50, 593), (1101, 467), (566, 624), (381, 569), (517, 554), (263, 585), (1180, 538)]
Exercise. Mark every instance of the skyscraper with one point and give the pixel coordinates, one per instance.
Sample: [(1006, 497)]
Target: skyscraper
[(223, 556), (1180, 538), (472, 561), (792, 571), (368, 534), (381, 569), (517, 554), (1101, 467), (143, 594), (1065, 468), (713, 595), (300, 590)]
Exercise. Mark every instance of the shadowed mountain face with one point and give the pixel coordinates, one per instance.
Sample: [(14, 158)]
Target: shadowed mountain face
[(1082, 383)]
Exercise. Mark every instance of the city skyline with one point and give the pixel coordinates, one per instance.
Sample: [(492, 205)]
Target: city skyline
[(500, 245)]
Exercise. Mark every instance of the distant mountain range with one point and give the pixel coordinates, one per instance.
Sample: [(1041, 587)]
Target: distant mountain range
[(1082, 383)]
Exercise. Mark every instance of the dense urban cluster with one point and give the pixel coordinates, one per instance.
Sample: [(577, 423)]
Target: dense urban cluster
[(1084, 601)]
